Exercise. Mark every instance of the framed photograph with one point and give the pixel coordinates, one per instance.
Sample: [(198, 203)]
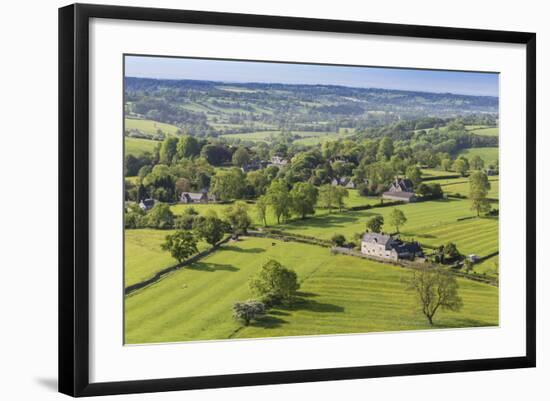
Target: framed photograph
[(250, 199)]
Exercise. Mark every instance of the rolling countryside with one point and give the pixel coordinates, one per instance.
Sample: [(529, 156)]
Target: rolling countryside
[(296, 209)]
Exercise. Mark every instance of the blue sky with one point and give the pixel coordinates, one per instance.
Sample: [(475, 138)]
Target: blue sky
[(468, 83)]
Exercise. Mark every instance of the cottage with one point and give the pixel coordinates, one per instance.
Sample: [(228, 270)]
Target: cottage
[(147, 204), (254, 165), (386, 247), (278, 161), (194, 197), (346, 182), (401, 189)]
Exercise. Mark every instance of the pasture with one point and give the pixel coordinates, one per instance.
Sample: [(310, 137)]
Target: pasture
[(149, 126), (138, 146), (338, 294), (472, 236), (431, 222), (143, 256), (489, 155), (485, 131), (462, 187), (307, 138)]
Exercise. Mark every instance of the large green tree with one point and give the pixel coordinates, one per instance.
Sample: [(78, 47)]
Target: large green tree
[(385, 149), (240, 157), (460, 166), (479, 188), (303, 197), (237, 217), (397, 218), (160, 216), (229, 184), (262, 204), (477, 162), (331, 196), (375, 223), (168, 149), (211, 229), (279, 199), (181, 245), (275, 283), (188, 146)]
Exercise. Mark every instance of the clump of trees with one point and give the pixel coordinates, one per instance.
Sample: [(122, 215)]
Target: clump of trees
[(332, 196), (338, 240), (447, 253), (434, 289)]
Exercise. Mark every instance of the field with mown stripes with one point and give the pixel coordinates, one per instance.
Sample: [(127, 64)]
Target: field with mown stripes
[(338, 294)]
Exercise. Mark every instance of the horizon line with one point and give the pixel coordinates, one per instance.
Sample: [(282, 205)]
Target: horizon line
[(310, 84)]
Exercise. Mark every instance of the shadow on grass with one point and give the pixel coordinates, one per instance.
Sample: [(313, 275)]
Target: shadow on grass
[(331, 220), (462, 322), (211, 267), (273, 320), (417, 235), (242, 250), (268, 322)]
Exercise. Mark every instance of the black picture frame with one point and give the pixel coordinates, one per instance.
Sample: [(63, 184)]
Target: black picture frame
[(74, 203)]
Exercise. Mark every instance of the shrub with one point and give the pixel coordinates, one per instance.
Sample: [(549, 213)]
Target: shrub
[(338, 239), (248, 311)]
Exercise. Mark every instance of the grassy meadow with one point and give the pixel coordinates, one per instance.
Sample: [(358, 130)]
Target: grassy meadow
[(489, 155), (138, 146), (338, 294), (143, 256), (488, 131), (149, 126)]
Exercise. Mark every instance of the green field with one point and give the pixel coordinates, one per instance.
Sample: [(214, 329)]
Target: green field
[(138, 146), (463, 187), (305, 137), (354, 199), (143, 256), (149, 126), (488, 267), (338, 294), (428, 173), (486, 131), (477, 236), (489, 155), (431, 222)]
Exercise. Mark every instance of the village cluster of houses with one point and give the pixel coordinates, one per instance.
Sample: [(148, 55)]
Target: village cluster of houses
[(400, 190)]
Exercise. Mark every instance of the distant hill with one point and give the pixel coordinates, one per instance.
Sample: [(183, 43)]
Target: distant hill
[(214, 108)]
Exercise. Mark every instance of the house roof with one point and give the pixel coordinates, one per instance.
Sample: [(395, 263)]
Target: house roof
[(193, 195), (148, 202), (407, 247), (404, 184), (377, 238), (403, 195), (391, 243)]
